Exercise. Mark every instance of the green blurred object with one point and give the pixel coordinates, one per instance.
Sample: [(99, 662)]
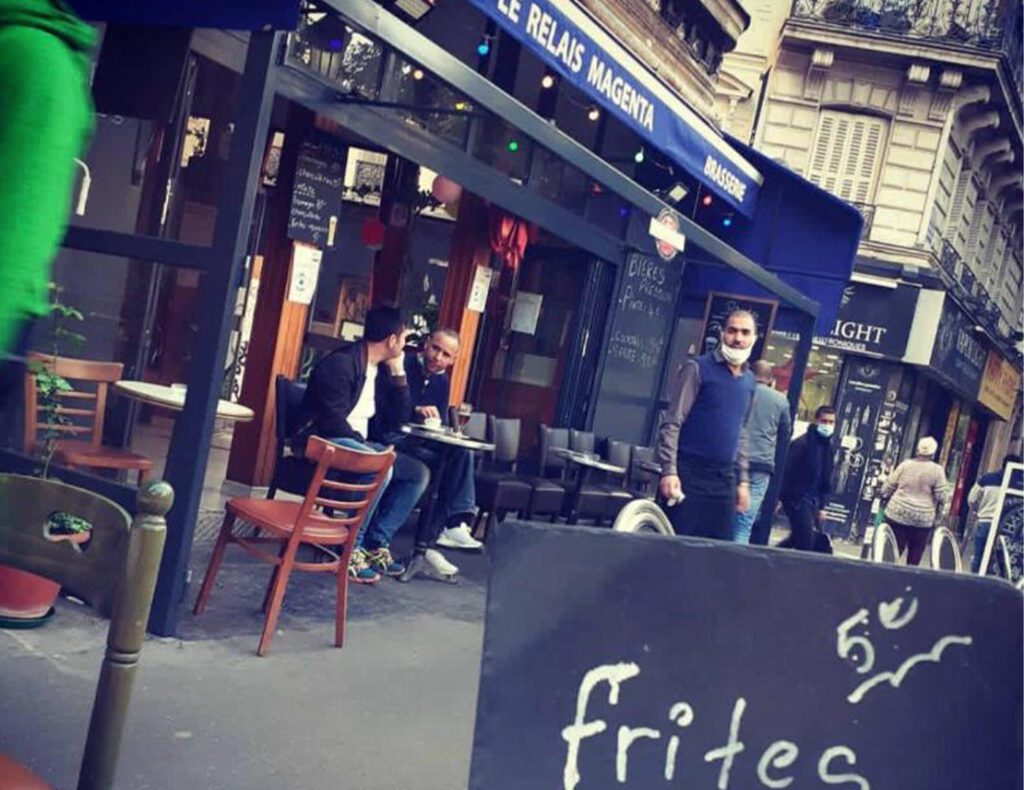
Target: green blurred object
[(46, 119)]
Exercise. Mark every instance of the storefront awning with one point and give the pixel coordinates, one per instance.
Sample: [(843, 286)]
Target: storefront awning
[(803, 235), (571, 43), (225, 14)]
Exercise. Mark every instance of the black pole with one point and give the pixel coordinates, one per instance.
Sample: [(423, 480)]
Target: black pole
[(762, 531), (193, 430)]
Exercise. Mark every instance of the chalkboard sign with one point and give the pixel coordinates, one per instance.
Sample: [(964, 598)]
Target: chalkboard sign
[(639, 662), (641, 328), (1010, 526), (316, 195), (718, 307)]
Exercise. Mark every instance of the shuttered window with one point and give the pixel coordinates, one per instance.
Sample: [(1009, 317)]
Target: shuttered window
[(944, 196), (962, 217), (847, 154), (980, 236)]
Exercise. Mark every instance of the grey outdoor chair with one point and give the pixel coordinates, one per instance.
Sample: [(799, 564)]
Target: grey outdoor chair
[(116, 574)]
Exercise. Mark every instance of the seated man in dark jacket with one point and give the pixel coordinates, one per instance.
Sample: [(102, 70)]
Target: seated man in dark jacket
[(430, 391), (345, 391), (808, 479)]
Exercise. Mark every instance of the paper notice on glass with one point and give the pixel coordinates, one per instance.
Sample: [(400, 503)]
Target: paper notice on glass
[(526, 312), (305, 270), (478, 293)]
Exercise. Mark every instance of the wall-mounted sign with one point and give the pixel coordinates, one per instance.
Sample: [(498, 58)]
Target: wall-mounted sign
[(665, 229), (958, 355), (305, 271), (718, 308), (316, 194), (1000, 384), (481, 286), (873, 320)]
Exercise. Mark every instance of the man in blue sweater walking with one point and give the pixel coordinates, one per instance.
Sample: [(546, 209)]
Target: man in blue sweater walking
[(702, 443)]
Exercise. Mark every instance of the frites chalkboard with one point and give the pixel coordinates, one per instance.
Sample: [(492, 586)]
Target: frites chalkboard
[(642, 662)]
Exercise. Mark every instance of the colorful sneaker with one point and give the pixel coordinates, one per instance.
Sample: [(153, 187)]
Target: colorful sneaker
[(359, 570), (380, 560)]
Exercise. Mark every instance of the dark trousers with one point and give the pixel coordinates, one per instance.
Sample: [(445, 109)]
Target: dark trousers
[(12, 390), (803, 518), (710, 499), (912, 539)]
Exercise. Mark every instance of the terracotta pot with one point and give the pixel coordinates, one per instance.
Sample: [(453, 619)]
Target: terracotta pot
[(26, 596)]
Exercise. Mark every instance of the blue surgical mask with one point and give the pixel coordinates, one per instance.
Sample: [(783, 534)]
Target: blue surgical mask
[(826, 431)]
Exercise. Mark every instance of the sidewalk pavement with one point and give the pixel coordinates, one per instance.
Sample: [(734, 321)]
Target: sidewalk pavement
[(392, 710)]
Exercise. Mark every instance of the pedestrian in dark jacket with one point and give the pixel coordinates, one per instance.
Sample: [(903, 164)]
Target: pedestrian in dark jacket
[(345, 391), (808, 479), (984, 498)]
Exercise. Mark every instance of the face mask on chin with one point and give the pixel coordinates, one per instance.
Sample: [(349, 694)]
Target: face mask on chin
[(735, 356), (826, 431)]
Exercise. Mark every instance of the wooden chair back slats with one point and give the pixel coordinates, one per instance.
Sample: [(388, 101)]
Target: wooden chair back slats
[(98, 375)]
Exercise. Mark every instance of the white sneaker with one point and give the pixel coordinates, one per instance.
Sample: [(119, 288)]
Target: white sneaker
[(439, 564), (459, 537)]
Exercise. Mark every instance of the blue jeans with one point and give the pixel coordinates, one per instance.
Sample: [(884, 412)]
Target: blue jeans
[(402, 489), (980, 539), (743, 523), (457, 489)]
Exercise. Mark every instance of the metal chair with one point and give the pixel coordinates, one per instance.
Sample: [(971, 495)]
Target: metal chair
[(83, 410), (498, 490), (945, 551), (548, 487), (617, 496), (116, 574), (291, 473), (290, 524)]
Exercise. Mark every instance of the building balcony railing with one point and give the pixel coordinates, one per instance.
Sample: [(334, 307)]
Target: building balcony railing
[(980, 23)]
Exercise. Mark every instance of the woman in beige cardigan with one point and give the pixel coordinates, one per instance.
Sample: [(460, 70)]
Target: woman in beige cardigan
[(917, 491)]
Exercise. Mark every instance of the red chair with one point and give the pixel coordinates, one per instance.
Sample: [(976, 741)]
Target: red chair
[(289, 524)]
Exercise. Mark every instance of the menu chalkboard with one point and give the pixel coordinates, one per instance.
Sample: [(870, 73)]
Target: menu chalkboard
[(640, 661), (316, 195), (718, 308), (641, 328)]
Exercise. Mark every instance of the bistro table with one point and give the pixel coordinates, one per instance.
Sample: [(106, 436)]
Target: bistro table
[(173, 398), (587, 463), (446, 441)]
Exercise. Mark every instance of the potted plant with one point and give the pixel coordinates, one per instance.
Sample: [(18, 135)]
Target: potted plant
[(26, 599)]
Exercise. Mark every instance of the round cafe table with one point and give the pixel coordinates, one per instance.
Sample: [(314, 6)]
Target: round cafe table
[(173, 398), (446, 441)]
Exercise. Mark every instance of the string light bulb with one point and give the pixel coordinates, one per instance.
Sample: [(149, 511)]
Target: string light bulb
[(638, 157), (484, 47), (706, 200), (727, 221), (417, 74), (512, 146), (547, 81), (593, 114)]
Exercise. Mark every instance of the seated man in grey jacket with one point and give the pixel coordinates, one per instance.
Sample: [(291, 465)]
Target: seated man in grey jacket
[(768, 430)]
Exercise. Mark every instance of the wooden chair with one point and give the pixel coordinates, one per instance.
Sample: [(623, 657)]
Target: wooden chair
[(85, 417), (116, 573), (290, 524)]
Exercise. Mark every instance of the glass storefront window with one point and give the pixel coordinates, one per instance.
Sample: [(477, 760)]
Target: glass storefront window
[(821, 378)]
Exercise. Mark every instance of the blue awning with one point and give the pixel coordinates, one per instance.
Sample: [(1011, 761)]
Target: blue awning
[(805, 236), (571, 43), (224, 14)]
